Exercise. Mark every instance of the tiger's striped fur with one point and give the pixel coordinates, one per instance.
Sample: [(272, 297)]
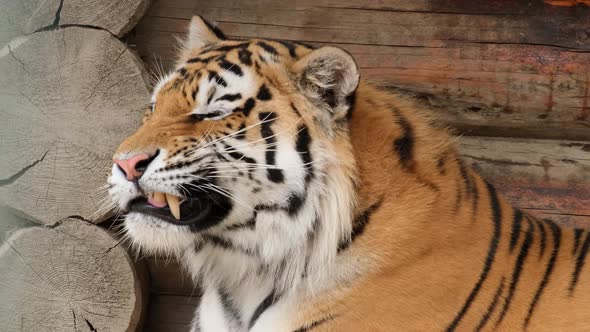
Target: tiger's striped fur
[(335, 206)]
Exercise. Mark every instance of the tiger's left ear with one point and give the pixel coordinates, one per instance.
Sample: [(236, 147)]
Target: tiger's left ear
[(329, 77), (202, 33)]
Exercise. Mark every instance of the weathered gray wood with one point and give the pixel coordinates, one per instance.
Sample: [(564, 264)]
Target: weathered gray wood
[(68, 98), (18, 18), (73, 277), (509, 68)]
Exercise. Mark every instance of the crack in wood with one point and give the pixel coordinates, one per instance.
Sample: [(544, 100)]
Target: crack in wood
[(90, 326), (56, 19), (17, 175)]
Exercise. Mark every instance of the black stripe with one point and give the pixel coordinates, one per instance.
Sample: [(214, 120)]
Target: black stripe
[(213, 76), (245, 57), (470, 185), (227, 245), (271, 299), (227, 65), (267, 48), (202, 60), (183, 72), (314, 324), (302, 145), (577, 237), (294, 204), (350, 102), (240, 156), (247, 108), (520, 260), (543, 238), (230, 97), (268, 118), (227, 48), (440, 164), (194, 93), (466, 178), (250, 224), (214, 29), (492, 306), (580, 261), (264, 93), (516, 225), (229, 307), (556, 231), (241, 133), (404, 145), (290, 46), (497, 218), (459, 196), (359, 224)]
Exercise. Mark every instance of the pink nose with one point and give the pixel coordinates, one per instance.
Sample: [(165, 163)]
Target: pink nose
[(133, 167)]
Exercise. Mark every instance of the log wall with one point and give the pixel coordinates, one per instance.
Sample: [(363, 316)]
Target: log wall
[(494, 68)]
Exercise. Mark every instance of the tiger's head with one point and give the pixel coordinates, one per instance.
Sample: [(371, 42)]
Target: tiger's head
[(246, 145)]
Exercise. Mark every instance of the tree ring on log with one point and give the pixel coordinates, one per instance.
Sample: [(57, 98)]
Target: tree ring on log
[(68, 97), (73, 277), (19, 18)]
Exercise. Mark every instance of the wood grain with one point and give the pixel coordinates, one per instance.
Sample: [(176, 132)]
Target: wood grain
[(518, 69), (20, 18), (546, 178), (68, 97), (73, 277)]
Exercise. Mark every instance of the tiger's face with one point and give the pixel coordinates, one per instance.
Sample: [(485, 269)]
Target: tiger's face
[(238, 128)]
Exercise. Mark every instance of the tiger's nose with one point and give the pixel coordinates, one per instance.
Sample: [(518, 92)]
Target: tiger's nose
[(135, 165)]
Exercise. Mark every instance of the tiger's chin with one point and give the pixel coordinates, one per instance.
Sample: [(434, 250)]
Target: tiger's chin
[(153, 235)]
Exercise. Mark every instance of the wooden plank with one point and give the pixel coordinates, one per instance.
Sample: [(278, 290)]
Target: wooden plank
[(170, 313), (501, 68), (546, 178)]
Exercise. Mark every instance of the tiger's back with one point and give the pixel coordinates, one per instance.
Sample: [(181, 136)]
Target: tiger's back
[(452, 253)]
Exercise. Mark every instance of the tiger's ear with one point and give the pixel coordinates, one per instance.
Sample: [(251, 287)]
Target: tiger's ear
[(329, 76), (202, 33)]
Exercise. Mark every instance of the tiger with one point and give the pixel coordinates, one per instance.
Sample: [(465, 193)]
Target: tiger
[(304, 198)]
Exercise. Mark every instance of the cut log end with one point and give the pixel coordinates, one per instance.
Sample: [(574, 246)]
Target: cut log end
[(25, 17), (68, 278), (70, 96)]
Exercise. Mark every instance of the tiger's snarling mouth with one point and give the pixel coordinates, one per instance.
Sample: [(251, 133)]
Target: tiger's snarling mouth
[(199, 210), (171, 208)]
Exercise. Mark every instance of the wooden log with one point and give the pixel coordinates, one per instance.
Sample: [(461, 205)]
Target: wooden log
[(518, 69), (19, 18), (73, 277), (68, 97)]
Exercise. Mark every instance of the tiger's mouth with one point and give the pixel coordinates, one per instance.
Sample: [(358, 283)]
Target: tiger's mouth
[(173, 209)]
